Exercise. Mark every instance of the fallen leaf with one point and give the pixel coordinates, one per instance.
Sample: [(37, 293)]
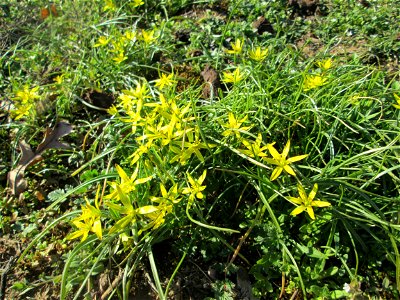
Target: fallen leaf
[(212, 83), (52, 135), (26, 153), (16, 179)]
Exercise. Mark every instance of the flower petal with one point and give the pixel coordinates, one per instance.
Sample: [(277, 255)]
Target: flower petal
[(202, 177), (312, 194), (296, 158), (298, 210), (310, 212), (96, 228), (147, 209), (289, 170), (270, 161), (143, 180), (320, 203), (302, 192), (275, 154), (285, 151), (164, 192), (75, 235), (276, 172), (122, 174), (295, 200)]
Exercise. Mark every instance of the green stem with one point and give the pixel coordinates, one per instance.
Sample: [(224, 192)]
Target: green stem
[(155, 273)]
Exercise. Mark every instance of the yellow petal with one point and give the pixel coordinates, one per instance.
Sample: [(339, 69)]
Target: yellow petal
[(295, 200), (313, 192), (275, 173), (202, 177), (75, 235), (270, 161), (122, 174), (96, 228), (289, 170), (302, 192), (275, 154), (310, 212), (297, 210), (147, 209), (296, 158), (143, 180), (320, 203), (163, 191), (285, 151)]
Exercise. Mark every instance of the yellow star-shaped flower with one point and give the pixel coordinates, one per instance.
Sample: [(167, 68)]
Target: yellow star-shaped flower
[(280, 160), (307, 202)]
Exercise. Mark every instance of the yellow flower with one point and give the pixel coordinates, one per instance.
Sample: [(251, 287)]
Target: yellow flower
[(22, 110), (24, 100), (148, 36), (397, 98), (187, 148), (88, 221), (236, 47), (129, 36), (325, 64), (120, 58), (118, 46), (140, 92), (101, 41), (233, 77), (136, 3), (258, 54), (134, 97), (109, 5), (234, 126), (196, 188), (59, 79), (280, 160), (27, 95), (171, 196), (143, 149), (127, 184), (254, 149), (165, 80), (112, 110), (307, 202), (313, 81), (154, 213)]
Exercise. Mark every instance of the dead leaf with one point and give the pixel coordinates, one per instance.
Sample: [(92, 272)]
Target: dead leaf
[(39, 196), (212, 83), (52, 135), (16, 179), (26, 153)]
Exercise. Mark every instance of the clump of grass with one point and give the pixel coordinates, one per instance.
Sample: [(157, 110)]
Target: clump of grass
[(291, 169)]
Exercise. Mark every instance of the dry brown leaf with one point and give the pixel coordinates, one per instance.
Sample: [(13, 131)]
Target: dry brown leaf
[(16, 179), (52, 135)]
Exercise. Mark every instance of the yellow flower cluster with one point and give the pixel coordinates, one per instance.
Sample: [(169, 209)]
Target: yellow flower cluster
[(255, 149), (315, 81), (109, 5), (119, 44), (24, 101), (165, 133)]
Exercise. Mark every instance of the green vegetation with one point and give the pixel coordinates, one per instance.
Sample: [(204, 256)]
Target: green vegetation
[(203, 149)]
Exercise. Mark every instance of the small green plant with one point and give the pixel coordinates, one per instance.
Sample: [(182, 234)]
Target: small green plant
[(221, 181)]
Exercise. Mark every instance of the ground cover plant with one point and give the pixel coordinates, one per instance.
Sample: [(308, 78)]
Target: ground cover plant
[(200, 149)]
